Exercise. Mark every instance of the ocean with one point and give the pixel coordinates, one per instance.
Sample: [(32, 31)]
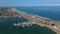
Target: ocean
[(52, 12), (6, 27)]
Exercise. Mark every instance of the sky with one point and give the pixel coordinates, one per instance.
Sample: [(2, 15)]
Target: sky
[(29, 2)]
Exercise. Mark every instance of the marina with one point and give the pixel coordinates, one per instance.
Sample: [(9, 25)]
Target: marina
[(33, 20)]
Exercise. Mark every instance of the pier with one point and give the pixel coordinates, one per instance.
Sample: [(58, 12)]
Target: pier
[(27, 24), (34, 20)]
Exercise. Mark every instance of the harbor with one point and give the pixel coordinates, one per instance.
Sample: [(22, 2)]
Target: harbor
[(44, 22)]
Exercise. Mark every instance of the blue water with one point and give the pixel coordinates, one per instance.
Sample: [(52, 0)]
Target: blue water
[(52, 12), (4, 22), (6, 27), (34, 29)]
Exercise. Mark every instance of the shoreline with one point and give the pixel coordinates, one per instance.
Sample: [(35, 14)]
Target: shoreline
[(36, 19), (38, 16), (43, 19)]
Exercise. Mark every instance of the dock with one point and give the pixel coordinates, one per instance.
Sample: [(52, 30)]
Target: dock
[(34, 20)]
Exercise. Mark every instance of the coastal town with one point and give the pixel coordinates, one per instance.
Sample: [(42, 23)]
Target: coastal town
[(33, 19)]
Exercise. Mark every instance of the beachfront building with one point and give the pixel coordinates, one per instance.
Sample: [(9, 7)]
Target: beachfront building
[(58, 26)]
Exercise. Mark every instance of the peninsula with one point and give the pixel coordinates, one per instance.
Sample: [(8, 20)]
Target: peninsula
[(33, 19)]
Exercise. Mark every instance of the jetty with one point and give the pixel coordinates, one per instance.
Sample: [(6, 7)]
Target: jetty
[(33, 19)]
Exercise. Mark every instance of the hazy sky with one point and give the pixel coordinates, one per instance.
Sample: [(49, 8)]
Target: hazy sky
[(29, 2)]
